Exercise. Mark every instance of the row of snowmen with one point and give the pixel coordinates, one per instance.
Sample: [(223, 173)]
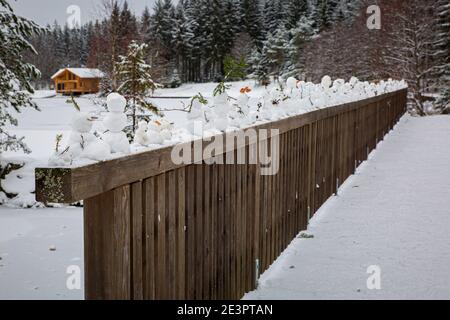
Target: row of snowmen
[(295, 98), (85, 144)]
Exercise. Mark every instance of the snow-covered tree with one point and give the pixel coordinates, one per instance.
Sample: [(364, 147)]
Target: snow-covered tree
[(410, 53), (295, 62), (295, 10), (258, 66), (251, 19), (15, 74), (442, 49), (136, 83)]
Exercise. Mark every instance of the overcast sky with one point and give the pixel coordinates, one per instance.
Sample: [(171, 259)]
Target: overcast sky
[(47, 11)]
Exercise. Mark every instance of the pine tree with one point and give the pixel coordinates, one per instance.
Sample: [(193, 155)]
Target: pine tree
[(294, 11), (273, 14), (15, 74), (136, 83), (295, 63), (145, 26), (259, 66), (251, 20), (128, 28)]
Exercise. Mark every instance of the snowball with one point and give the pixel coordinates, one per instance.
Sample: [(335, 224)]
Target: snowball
[(116, 103), (118, 142), (115, 122), (81, 122), (97, 151), (81, 138), (326, 82), (166, 134), (58, 160), (154, 137)]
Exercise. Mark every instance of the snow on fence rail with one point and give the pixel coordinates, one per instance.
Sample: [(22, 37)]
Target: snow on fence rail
[(157, 230)]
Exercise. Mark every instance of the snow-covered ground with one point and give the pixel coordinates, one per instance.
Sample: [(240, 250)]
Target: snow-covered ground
[(393, 214), (36, 248)]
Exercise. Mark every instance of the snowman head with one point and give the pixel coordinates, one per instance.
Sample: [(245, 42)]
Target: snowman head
[(142, 126), (82, 122), (116, 103), (326, 82), (291, 83)]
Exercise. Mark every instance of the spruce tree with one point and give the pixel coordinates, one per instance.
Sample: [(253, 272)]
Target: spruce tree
[(251, 19), (15, 74), (136, 83), (294, 10)]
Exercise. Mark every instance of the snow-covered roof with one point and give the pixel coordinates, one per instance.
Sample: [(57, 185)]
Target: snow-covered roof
[(84, 73)]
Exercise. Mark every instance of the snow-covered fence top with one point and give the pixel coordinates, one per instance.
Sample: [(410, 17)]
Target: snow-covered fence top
[(159, 229), (72, 184)]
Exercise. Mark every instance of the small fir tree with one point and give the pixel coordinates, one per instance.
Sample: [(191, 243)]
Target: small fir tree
[(136, 82)]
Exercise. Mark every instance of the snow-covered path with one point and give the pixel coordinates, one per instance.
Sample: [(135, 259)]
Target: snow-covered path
[(394, 214)]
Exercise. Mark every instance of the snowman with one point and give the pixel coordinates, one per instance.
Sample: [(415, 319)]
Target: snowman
[(114, 122), (241, 116), (166, 129), (154, 132), (141, 137), (83, 143), (221, 109), (196, 115)]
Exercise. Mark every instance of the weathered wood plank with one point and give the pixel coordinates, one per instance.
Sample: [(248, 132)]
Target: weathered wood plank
[(107, 245)]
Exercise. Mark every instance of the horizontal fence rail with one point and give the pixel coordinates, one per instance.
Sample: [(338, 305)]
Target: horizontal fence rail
[(157, 230)]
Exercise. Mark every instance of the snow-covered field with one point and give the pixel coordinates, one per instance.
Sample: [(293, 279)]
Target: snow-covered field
[(29, 269), (393, 214)]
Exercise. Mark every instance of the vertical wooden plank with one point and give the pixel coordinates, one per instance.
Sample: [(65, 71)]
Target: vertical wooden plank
[(136, 242), (150, 238), (221, 233), (190, 232), (107, 245), (206, 232), (171, 208), (199, 236), (161, 219), (214, 234), (181, 234)]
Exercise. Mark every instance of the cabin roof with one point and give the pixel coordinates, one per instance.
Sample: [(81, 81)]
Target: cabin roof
[(84, 73)]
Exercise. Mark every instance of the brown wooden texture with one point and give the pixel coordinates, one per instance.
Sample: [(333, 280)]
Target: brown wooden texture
[(154, 230)]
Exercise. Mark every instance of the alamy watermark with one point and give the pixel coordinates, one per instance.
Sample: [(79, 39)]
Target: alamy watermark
[(263, 149), (73, 281), (374, 280), (74, 18), (374, 19)]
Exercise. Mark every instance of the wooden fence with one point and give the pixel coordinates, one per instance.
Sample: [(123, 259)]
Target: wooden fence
[(156, 230)]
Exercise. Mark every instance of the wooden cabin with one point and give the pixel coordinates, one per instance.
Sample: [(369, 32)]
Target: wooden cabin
[(77, 80)]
